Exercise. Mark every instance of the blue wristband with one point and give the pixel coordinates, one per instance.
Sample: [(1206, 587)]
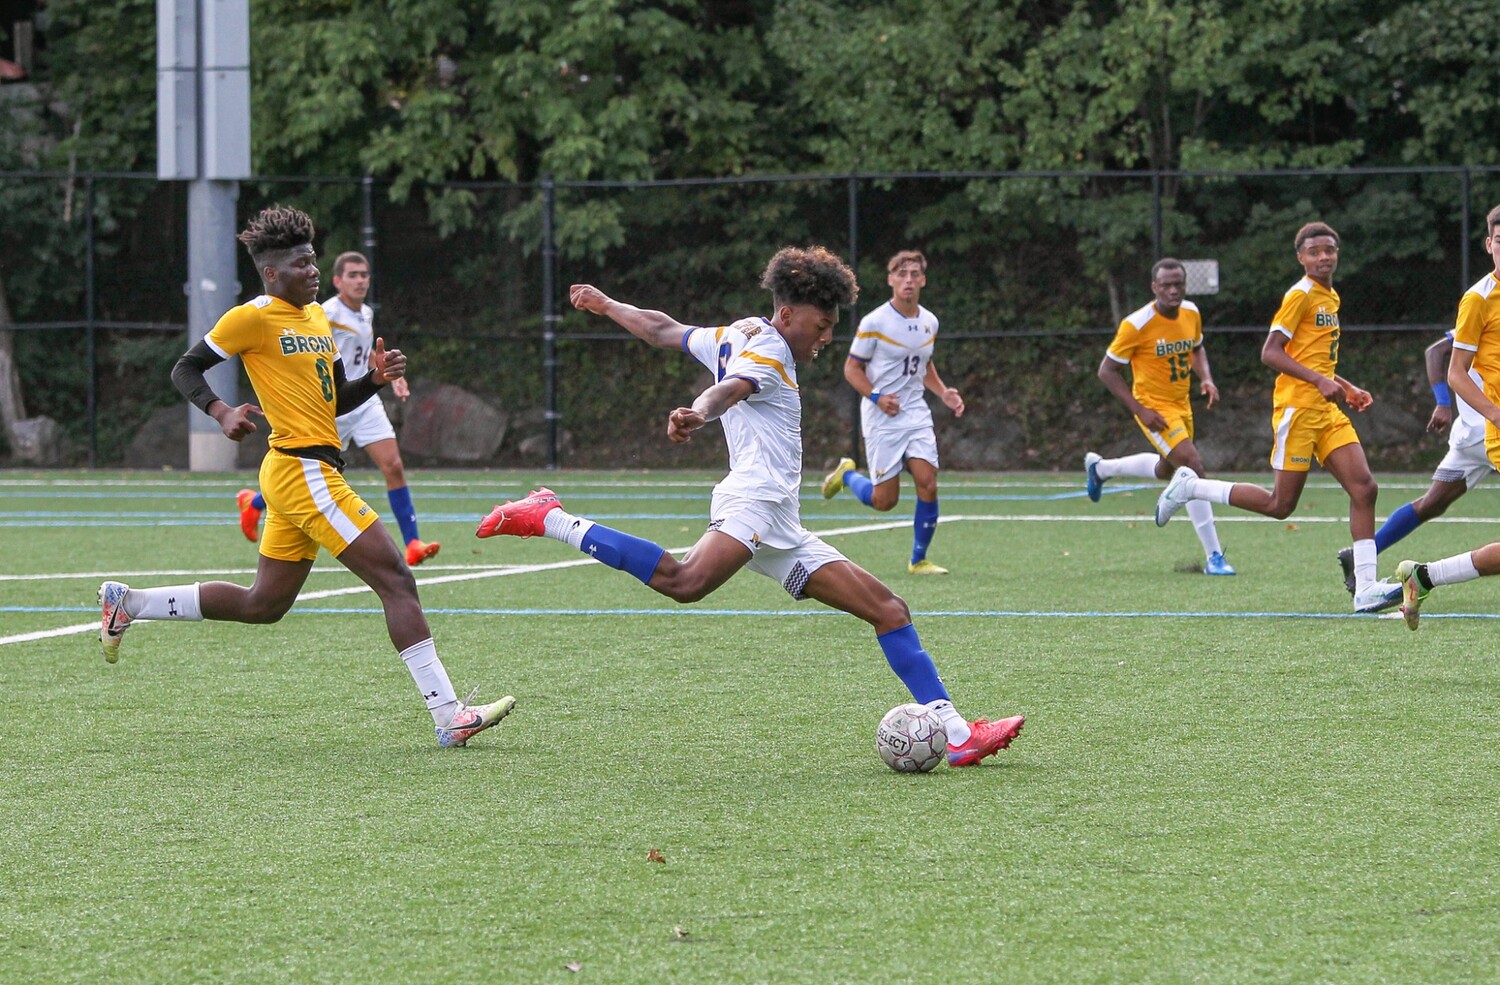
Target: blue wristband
[(1442, 395), (873, 396)]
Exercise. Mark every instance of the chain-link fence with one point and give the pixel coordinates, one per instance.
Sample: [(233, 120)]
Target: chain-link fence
[(1029, 272)]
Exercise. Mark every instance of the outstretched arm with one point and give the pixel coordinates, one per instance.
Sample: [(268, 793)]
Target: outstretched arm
[(654, 327), (710, 406)]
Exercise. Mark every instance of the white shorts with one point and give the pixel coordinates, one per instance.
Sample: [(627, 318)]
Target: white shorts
[(887, 451), (780, 547), (1467, 461), (365, 424)]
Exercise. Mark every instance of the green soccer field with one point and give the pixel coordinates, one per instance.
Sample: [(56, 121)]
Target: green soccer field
[(1220, 780)]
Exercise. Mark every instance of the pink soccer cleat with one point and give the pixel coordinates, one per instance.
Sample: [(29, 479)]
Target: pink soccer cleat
[(523, 518), (985, 739)]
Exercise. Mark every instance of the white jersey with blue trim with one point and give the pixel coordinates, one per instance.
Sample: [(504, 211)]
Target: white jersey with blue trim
[(1468, 423), (896, 350), (354, 334), (763, 431)]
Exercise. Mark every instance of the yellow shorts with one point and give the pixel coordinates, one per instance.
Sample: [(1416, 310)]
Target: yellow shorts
[(1179, 429), (308, 504), (1304, 433)]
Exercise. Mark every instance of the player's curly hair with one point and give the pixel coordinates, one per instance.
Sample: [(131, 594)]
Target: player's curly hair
[(813, 275), (279, 227), (1312, 229)]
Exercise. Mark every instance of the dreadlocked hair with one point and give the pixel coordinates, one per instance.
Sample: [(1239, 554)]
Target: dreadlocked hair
[(813, 275), (277, 228)]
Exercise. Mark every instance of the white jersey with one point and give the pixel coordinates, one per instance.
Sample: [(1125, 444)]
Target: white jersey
[(896, 350), (1468, 423), (763, 431), (354, 333)]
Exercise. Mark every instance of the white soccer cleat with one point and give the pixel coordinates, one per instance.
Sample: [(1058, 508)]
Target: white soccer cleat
[(114, 619), (1174, 497), (1377, 596)]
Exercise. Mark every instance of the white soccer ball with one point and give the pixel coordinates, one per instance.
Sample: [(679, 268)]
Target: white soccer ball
[(911, 738)]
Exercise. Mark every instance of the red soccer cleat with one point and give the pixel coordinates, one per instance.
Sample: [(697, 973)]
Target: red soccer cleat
[(523, 518), (249, 515), (418, 551), (985, 739)]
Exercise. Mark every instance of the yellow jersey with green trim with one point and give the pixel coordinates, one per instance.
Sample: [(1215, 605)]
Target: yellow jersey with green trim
[(288, 353), (1309, 318), (1159, 351), (1478, 330)]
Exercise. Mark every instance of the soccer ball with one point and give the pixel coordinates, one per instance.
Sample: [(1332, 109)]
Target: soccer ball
[(911, 738)]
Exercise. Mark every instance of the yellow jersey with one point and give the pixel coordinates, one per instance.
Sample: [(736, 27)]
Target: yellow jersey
[(1309, 317), (1159, 351), (288, 353), (1478, 330)]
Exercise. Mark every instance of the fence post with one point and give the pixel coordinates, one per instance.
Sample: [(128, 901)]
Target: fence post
[(367, 233), (1156, 236), (549, 316), (1463, 246), (855, 426), (91, 387)]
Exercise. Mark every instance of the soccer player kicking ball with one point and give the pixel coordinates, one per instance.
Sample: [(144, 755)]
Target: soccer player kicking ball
[(754, 518), (287, 347)]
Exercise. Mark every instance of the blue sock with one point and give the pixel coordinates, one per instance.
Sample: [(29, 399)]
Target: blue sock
[(406, 514), (903, 651), (259, 502), (1396, 526), (924, 525), (622, 551), (859, 485)]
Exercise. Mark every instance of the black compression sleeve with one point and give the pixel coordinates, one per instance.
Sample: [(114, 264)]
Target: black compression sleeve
[(349, 394), (187, 375)]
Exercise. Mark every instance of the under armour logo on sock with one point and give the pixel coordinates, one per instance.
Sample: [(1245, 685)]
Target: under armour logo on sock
[(171, 606)]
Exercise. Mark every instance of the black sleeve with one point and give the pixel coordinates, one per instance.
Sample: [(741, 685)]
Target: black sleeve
[(349, 394), (187, 375)]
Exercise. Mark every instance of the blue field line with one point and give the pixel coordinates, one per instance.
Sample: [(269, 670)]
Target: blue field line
[(698, 611), (482, 497)]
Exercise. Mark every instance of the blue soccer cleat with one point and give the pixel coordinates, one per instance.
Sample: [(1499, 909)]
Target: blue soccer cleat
[(1092, 484), (1216, 565)]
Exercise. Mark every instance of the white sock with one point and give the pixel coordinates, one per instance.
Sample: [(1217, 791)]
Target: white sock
[(1142, 466), (1452, 570), (1210, 490), (953, 723), (432, 680), (176, 602), (561, 525), (1364, 563), (1202, 515)]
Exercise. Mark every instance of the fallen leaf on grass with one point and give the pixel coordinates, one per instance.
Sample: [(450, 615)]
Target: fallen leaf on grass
[(573, 966), (680, 932), (1291, 526), (655, 856)]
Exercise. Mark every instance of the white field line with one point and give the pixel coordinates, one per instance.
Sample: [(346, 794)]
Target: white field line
[(440, 580)]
